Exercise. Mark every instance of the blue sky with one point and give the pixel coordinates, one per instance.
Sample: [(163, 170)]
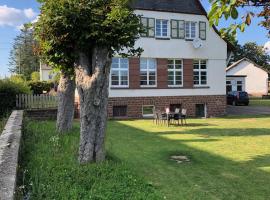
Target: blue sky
[(14, 13)]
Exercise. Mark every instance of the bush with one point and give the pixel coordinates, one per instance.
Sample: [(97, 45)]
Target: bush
[(39, 86), (8, 92), (35, 77)]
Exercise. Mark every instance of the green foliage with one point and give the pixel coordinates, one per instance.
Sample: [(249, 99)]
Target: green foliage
[(8, 91), (35, 76), (229, 9), (38, 87), (68, 27), (50, 170), (22, 58)]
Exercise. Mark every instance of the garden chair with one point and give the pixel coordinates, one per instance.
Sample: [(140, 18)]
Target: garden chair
[(155, 116), (176, 115), (184, 116)]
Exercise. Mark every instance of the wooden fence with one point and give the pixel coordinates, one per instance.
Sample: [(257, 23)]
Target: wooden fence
[(29, 101)]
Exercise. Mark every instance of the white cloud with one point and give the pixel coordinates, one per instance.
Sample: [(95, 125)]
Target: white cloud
[(15, 17), (267, 47)]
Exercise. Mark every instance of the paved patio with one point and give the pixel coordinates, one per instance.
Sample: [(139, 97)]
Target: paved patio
[(247, 110)]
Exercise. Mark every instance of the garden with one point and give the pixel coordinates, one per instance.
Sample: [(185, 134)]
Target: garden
[(228, 158)]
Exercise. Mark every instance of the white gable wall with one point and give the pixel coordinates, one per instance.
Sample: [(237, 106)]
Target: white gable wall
[(214, 50), (256, 82)]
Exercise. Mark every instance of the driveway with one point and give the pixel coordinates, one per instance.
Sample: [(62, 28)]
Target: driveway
[(247, 110)]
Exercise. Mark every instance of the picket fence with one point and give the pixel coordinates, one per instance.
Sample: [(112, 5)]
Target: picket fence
[(30, 101)]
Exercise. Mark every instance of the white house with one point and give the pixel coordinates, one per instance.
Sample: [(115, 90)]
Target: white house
[(245, 75), (46, 72), (183, 64)]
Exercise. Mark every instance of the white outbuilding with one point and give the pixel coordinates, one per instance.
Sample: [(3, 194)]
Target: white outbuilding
[(245, 75)]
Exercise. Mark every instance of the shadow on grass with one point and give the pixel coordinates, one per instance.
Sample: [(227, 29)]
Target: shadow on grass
[(208, 176)]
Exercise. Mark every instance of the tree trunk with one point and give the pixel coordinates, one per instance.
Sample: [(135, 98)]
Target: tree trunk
[(92, 78), (66, 95)]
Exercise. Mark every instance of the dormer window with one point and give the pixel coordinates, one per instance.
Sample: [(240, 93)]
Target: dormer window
[(162, 30), (190, 30)]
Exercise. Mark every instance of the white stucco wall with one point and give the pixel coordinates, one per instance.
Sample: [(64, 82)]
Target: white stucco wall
[(45, 75), (214, 50), (256, 81)]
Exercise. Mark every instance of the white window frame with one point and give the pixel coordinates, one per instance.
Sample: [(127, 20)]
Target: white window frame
[(190, 30), (174, 70), (148, 70), (119, 69), (161, 28), (238, 84), (148, 115), (200, 72)]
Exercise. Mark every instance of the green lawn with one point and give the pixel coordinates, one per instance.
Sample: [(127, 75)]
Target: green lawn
[(260, 102), (230, 159)]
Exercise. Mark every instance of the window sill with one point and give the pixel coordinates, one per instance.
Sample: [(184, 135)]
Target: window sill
[(201, 87), (119, 88), (163, 38)]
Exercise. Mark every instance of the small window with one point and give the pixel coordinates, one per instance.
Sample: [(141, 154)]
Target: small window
[(162, 28), (173, 107), (175, 72), (178, 29), (149, 27), (239, 86), (202, 27), (200, 110), (190, 30), (119, 111), (199, 72), (148, 111)]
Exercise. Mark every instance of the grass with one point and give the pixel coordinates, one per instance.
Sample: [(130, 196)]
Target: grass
[(260, 102), (230, 159)]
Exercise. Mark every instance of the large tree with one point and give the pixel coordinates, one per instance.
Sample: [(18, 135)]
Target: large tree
[(83, 35), (230, 9), (23, 59)]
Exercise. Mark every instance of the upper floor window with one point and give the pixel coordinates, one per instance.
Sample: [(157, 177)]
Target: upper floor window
[(190, 30), (178, 29), (149, 27), (175, 72), (202, 33), (119, 72), (148, 72), (162, 28), (200, 72)]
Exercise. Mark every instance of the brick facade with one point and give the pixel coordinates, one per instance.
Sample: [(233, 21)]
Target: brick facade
[(216, 105)]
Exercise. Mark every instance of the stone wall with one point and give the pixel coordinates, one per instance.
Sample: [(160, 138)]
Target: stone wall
[(9, 150), (216, 104)]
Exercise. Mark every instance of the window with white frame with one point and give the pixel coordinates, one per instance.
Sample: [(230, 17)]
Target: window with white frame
[(190, 30), (200, 72), (119, 72), (148, 110), (239, 86), (175, 72), (148, 72), (162, 29)]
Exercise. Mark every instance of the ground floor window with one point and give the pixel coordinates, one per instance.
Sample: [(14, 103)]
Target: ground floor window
[(119, 111), (200, 110), (228, 86), (173, 107), (239, 86), (148, 111)]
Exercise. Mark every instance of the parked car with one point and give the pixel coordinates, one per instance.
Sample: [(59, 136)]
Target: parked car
[(238, 98)]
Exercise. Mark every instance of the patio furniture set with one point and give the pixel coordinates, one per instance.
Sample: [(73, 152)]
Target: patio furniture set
[(168, 116)]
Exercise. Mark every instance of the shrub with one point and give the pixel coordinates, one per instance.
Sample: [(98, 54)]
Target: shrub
[(39, 86), (8, 91), (35, 77)]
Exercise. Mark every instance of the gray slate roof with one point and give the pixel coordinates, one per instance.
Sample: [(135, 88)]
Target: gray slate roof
[(178, 6)]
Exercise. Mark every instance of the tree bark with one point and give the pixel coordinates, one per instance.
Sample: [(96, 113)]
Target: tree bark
[(92, 79), (66, 96)]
